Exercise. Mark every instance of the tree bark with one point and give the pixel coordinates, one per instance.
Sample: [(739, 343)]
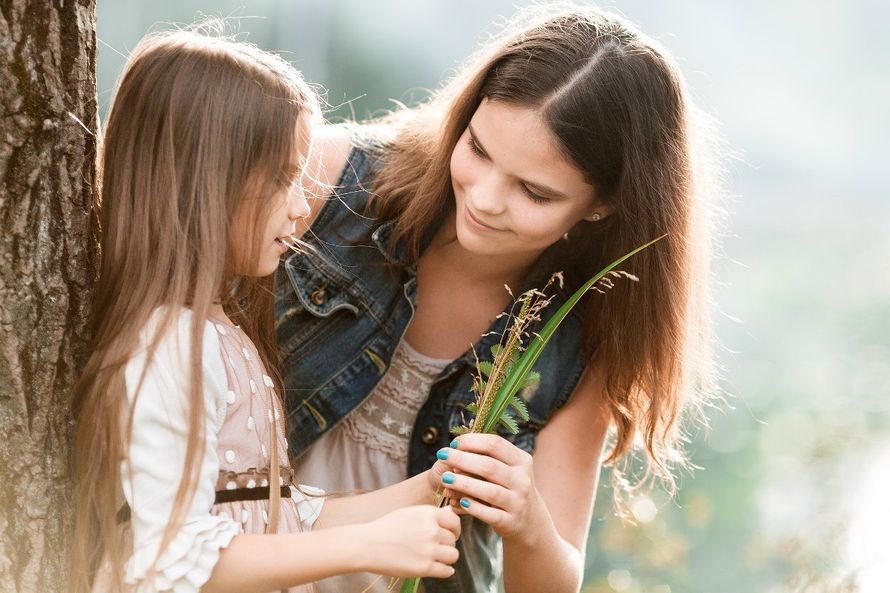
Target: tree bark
[(47, 267)]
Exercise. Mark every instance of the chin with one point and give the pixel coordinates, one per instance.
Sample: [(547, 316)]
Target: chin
[(266, 269), (478, 245), (473, 242)]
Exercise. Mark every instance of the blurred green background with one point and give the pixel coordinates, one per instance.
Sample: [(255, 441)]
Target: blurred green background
[(793, 493)]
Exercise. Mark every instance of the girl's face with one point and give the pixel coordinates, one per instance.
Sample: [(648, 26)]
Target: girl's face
[(515, 192), (287, 206)]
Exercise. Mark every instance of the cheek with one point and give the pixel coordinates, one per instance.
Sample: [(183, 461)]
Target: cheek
[(463, 166), (543, 224)]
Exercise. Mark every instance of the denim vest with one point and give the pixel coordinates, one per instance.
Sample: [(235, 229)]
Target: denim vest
[(340, 313)]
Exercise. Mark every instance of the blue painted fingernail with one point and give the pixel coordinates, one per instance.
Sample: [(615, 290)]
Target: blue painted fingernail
[(465, 502), (448, 478), (454, 444), (442, 454)]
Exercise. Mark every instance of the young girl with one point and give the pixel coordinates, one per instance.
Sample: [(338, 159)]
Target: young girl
[(183, 478), (564, 144)]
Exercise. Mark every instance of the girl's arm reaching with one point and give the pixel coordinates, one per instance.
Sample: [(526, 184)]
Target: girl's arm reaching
[(420, 489), (414, 541)]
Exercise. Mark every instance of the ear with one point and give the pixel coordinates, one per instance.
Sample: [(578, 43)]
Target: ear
[(599, 212)]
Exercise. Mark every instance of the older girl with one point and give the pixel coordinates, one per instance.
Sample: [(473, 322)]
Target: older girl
[(565, 143)]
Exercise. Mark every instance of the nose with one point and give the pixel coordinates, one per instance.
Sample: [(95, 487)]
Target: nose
[(298, 206), (486, 195)]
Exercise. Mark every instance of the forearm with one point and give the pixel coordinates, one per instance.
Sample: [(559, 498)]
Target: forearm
[(262, 563), (542, 562), (375, 504)]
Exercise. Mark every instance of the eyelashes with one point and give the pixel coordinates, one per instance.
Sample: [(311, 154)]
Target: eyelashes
[(533, 196), (289, 177), (477, 150)]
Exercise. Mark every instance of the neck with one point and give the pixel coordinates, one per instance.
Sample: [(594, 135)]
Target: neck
[(495, 270), (217, 311)]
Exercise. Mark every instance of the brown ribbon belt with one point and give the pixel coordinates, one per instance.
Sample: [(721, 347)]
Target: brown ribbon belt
[(233, 495)]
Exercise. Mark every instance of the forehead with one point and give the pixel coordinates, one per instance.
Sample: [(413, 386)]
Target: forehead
[(519, 141)]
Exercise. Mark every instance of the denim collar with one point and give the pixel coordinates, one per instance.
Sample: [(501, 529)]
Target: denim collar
[(381, 238)]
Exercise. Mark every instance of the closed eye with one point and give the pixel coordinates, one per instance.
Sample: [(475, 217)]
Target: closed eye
[(474, 146), (537, 198)]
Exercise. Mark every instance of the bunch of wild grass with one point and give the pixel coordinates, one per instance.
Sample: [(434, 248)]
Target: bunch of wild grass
[(497, 383), (488, 410)]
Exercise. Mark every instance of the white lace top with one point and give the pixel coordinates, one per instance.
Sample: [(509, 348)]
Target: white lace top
[(371, 446)]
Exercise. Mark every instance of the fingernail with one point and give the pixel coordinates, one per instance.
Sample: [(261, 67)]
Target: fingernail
[(448, 478), (464, 502), (454, 444), (442, 454)]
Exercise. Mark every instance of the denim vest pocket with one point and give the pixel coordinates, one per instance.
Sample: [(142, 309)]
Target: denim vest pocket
[(314, 302)]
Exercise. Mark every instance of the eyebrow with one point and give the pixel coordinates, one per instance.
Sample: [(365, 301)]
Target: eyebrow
[(531, 184)]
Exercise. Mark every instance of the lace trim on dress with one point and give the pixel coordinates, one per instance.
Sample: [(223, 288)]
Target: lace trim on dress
[(385, 421)]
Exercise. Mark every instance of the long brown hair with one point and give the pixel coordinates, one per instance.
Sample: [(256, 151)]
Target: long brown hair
[(200, 125), (616, 102)]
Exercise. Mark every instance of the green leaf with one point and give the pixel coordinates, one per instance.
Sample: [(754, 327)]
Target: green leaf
[(532, 378), (485, 368), (518, 373), (410, 585), (495, 350), (459, 430), (520, 407), (509, 423), (473, 407)]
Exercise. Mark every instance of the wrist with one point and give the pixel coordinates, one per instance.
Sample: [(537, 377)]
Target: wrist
[(538, 527), (354, 541)]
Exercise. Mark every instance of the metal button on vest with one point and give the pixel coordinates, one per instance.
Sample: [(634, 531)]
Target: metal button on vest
[(429, 435), (318, 296)]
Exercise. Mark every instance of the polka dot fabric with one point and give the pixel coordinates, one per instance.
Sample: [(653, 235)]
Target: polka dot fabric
[(244, 439)]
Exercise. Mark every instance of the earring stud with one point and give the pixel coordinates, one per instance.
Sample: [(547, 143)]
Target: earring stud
[(595, 217)]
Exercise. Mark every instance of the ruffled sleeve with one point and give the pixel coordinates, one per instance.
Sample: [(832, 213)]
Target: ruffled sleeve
[(310, 501), (152, 470)]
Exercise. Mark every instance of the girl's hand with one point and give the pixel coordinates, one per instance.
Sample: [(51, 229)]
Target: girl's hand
[(493, 480), (414, 541)]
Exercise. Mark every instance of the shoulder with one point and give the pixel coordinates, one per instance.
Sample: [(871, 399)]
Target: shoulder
[(329, 155), (341, 162), (170, 328), (161, 361), (343, 154)]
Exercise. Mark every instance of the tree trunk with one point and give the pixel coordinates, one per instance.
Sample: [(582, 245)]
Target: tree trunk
[(47, 267)]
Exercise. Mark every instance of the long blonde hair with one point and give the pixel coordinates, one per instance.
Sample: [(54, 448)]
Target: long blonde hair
[(617, 104), (200, 125)]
